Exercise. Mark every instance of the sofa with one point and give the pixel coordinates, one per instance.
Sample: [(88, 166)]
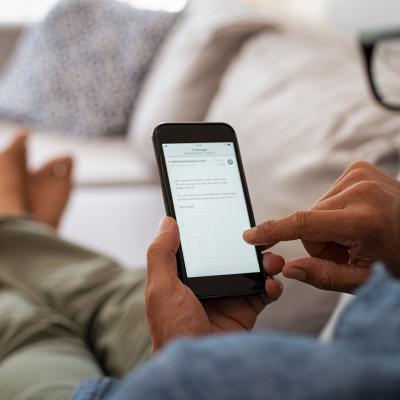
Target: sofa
[(299, 102)]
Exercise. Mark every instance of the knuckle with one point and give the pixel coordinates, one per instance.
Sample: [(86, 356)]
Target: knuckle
[(323, 205), (366, 187), (155, 255), (151, 291), (324, 281), (267, 227), (154, 250), (365, 214), (301, 219), (150, 295), (155, 293), (356, 175), (360, 165), (367, 221)]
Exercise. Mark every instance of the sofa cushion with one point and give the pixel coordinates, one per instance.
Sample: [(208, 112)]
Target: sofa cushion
[(79, 71), (186, 73), (302, 110)]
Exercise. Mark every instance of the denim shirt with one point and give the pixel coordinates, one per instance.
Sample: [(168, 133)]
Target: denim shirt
[(361, 362)]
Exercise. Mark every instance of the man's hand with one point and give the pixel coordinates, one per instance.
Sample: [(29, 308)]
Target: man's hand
[(174, 311), (353, 225)]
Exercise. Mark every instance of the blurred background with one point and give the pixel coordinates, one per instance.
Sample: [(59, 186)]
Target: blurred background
[(17, 14), (351, 15), (92, 78)]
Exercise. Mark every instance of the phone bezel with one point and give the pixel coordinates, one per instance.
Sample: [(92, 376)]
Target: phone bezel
[(236, 285)]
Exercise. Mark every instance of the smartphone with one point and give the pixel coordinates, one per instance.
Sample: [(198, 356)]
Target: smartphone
[(205, 190)]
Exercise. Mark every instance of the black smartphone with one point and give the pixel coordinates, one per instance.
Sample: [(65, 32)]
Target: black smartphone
[(205, 190)]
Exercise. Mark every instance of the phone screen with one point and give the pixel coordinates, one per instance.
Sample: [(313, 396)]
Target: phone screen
[(210, 208)]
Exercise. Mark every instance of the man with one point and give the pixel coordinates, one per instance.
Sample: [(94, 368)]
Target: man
[(355, 224)]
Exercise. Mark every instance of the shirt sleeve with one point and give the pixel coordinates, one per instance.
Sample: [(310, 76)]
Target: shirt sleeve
[(93, 389), (255, 367), (361, 362)]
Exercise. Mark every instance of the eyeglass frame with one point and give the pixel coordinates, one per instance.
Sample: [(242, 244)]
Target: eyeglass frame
[(368, 42)]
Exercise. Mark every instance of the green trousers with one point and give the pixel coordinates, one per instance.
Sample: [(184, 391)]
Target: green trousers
[(66, 314)]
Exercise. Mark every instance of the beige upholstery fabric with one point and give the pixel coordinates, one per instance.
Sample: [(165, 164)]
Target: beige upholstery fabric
[(187, 72), (98, 162), (303, 113)]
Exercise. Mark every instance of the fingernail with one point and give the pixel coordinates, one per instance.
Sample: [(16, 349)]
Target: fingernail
[(164, 225), (249, 234), (277, 295), (277, 281), (297, 274), (60, 170), (266, 264)]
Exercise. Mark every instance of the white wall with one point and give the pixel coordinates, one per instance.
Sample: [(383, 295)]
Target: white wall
[(349, 16), (357, 15)]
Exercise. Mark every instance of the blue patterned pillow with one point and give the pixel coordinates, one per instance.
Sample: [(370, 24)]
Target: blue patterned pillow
[(80, 70)]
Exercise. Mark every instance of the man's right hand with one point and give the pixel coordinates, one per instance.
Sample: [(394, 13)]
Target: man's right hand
[(356, 223)]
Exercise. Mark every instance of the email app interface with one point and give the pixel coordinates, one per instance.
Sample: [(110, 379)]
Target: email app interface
[(210, 208)]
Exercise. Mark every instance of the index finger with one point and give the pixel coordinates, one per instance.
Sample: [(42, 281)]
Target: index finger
[(314, 225)]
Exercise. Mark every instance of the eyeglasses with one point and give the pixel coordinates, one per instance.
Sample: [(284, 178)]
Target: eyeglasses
[(381, 52)]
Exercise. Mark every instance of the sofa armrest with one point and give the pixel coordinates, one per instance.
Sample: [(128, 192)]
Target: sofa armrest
[(102, 162)]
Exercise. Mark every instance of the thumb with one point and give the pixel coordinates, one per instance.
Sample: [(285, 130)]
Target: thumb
[(161, 255), (326, 274)]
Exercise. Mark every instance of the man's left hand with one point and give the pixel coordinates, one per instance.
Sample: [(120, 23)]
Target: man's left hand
[(174, 311)]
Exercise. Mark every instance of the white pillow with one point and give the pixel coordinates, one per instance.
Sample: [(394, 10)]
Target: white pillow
[(186, 74), (302, 110)]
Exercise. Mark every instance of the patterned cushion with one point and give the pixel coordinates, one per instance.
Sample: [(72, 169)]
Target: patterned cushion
[(80, 70)]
